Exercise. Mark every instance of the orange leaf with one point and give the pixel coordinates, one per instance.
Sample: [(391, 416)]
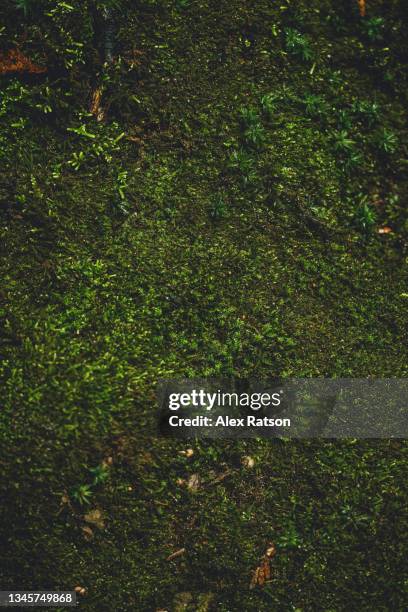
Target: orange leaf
[(261, 575), (15, 61), (263, 572), (362, 7)]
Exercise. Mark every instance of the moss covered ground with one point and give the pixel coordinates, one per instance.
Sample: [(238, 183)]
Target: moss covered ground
[(240, 212)]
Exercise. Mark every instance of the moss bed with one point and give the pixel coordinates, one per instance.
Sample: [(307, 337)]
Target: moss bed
[(240, 212)]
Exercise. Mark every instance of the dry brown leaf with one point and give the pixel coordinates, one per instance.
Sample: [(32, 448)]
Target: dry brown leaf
[(65, 502), (87, 533), (262, 574), (95, 517), (65, 499), (96, 107), (15, 61), (96, 100), (176, 554)]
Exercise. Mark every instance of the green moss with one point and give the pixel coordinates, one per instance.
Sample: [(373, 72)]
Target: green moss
[(167, 242)]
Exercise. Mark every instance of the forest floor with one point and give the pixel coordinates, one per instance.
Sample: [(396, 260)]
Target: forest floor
[(241, 212)]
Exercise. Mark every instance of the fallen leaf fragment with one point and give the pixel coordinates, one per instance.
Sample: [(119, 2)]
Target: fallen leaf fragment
[(261, 575), (96, 107), (263, 572), (176, 554), (80, 590), (362, 7), (65, 499), (248, 461), (87, 533), (271, 551), (65, 502), (385, 230), (95, 517), (96, 100), (187, 453), (193, 483), (15, 61)]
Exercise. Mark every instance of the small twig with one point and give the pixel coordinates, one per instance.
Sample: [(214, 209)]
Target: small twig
[(176, 554), (219, 478)]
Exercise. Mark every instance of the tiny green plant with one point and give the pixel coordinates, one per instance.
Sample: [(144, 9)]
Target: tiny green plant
[(314, 105), (336, 79), (249, 116), (242, 161), (255, 135), (387, 141), (353, 160), (374, 28), (122, 184), (337, 22), (268, 102), (82, 131), (367, 110), (344, 119), (365, 215), (25, 6), (343, 142), (182, 4), (219, 209), (77, 160), (82, 494), (100, 474), (298, 44), (290, 538), (102, 144)]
